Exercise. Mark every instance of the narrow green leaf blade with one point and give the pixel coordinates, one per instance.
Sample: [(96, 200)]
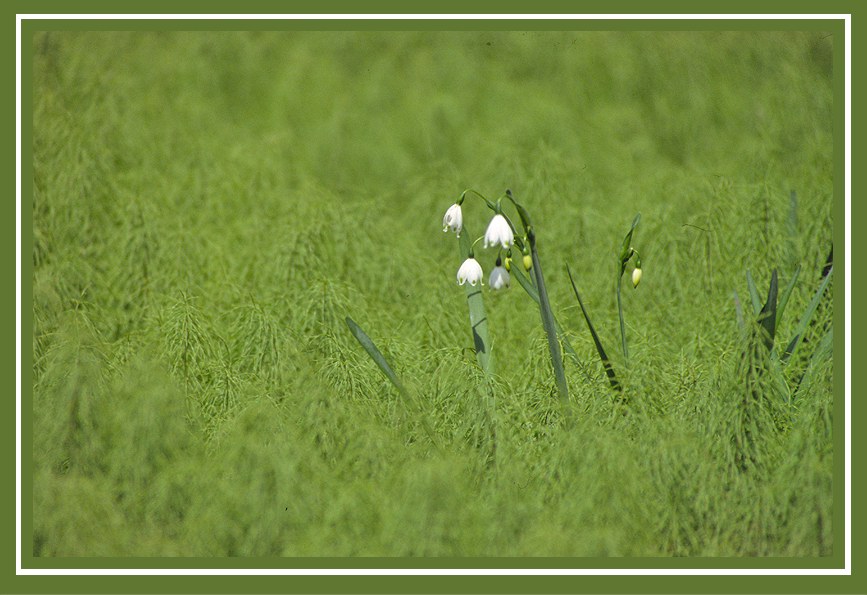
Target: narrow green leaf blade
[(525, 283), (754, 294), (548, 323), (768, 316), (379, 359), (784, 297), (606, 363), (376, 355), (806, 317)]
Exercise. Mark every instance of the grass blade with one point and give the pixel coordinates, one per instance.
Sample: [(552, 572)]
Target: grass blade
[(527, 285), (784, 297), (767, 318), (379, 359), (754, 294), (548, 322), (478, 317), (806, 317), (606, 363), (376, 355), (524, 281)]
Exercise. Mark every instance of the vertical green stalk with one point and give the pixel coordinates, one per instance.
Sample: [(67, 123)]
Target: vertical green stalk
[(548, 321), (620, 314), (478, 317), (626, 253)]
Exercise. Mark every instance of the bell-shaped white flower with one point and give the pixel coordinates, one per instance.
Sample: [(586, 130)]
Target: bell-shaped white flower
[(636, 277), (454, 218), (499, 233), (500, 277), (470, 271)]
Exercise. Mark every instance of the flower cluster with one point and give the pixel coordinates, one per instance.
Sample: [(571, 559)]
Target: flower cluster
[(500, 234)]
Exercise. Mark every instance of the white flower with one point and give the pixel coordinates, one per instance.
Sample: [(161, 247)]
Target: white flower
[(499, 232), (454, 218), (636, 277), (470, 271), (499, 278)]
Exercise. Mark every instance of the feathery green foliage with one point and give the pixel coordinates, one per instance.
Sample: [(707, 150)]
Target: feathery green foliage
[(209, 207)]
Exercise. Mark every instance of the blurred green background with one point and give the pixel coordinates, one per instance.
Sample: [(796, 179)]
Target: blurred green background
[(208, 207)]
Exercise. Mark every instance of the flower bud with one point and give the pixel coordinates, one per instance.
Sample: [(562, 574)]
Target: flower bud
[(636, 277), (528, 262)]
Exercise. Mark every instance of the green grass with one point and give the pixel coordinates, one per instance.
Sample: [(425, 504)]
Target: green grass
[(208, 208)]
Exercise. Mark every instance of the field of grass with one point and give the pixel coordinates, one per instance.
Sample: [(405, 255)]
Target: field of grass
[(208, 208)]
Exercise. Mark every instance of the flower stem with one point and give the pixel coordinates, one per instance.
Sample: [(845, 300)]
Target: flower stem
[(548, 322)]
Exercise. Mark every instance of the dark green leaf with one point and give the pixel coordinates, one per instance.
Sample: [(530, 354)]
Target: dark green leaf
[(380, 361), (768, 315), (606, 363), (548, 323), (806, 317), (754, 294), (784, 297)]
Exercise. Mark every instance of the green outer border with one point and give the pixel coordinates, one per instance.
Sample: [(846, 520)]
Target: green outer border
[(393, 584)]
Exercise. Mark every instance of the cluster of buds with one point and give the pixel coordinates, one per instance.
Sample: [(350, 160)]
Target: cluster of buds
[(500, 234)]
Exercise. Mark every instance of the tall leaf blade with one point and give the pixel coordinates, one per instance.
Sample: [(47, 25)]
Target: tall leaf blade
[(806, 317), (525, 283), (376, 355), (374, 352), (548, 322), (606, 363), (754, 294), (768, 315), (784, 297)]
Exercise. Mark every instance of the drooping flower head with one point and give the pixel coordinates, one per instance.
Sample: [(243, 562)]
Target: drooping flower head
[(636, 277), (454, 219), (499, 233), (470, 271), (499, 277)]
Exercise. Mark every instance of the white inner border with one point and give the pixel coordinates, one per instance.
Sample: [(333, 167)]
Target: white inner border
[(847, 570)]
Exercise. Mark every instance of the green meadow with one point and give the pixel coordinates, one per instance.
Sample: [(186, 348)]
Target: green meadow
[(209, 207)]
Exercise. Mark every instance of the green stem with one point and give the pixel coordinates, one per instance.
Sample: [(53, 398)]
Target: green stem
[(478, 317), (548, 322), (622, 323)]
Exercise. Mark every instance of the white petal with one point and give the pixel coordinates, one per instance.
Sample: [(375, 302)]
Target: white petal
[(499, 278), (453, 218), (499, 232)]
